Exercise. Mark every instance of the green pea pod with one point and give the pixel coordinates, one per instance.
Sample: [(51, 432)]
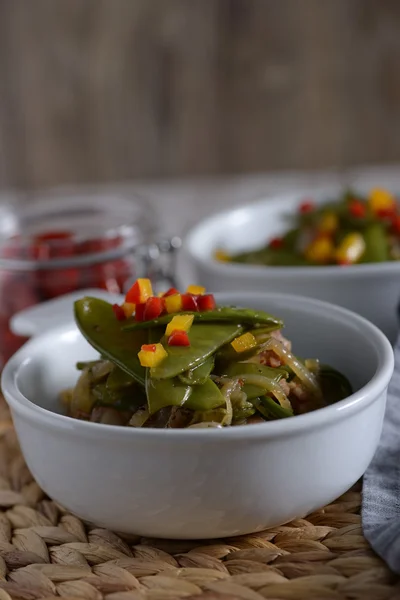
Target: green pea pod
[(253, 391), (291, 239), (335, 386), (129, 399), (81, 365), (217, 415), (270, 409), (376, 244), (82, 399), (205, 339), (230, 314), (100, 370), (119, 379), (199, 374), (165, 392), (205, 397), (228, 354), (96, 321)]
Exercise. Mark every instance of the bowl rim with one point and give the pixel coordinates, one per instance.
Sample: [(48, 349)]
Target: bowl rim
[(280, 428), (276, 203)]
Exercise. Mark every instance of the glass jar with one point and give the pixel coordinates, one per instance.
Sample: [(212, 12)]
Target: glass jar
[(60, 243)]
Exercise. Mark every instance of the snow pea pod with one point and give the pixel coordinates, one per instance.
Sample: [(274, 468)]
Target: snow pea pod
[(251, 390), (230, 314), (205, 339), (119, 379), (335, 386), (376, 244), (271, 257), (228, 354), (270, 409), (165, 392), (205, 397), (97, 323), (124, 399), (199, 374)]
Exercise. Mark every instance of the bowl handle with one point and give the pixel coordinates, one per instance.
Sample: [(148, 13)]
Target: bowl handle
[(46, 315)]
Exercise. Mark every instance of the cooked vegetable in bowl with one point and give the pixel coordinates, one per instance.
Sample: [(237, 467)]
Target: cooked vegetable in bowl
[(179, 360), (352, 229), (203, 482)]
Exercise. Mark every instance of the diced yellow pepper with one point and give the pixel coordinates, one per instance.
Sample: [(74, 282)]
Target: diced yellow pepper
[(221, 255), (180, 323), (152, 355), (320, 250), (196, 290), (128, 309), (381, 200), (173, 303), (244, 342), (329, 223), (146, 289), (351, 249), (140, 291)]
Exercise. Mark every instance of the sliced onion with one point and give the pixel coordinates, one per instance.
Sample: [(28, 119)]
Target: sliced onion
[(205, 425), (139, 418), (305, 376), (269, 386)]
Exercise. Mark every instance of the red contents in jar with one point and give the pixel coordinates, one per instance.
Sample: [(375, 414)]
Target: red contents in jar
[(21, 289)]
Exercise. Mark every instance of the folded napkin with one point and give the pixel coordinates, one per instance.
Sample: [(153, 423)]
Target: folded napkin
[(381, 484)]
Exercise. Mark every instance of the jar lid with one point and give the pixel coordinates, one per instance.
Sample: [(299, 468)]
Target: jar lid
[(102, 225)]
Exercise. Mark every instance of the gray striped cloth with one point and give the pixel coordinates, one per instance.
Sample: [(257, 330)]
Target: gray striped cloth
[(381, 484)]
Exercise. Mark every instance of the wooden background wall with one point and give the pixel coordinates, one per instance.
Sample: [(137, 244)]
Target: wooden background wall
[(101, 90)]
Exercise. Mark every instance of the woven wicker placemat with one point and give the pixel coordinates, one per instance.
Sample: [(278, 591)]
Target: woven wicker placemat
[(47, 553)]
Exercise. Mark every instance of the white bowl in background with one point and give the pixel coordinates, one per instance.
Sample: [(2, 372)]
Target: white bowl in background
[(199, 483), (371, 290)]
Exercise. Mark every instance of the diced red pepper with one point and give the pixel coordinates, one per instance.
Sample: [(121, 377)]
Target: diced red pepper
[(149, 347), (154, 307), (119, 312), (189, 302), (396, 224), (178, 338), (386, 213), (171, 292), (140, 291), (306, 207), (206, 302), (357, 209), (276, 243), (139, 311), (133, 294)]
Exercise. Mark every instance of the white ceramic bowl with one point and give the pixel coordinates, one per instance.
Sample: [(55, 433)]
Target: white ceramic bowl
[(371, 290), (200, 483)]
